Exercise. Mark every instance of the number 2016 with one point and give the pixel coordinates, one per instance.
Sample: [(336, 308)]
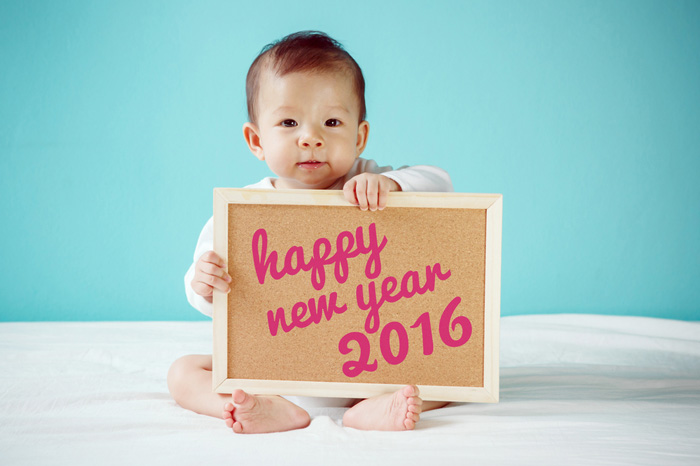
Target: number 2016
[(355, 368)]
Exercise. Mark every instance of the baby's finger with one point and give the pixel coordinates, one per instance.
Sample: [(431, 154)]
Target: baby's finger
[(214, 282), (212, 258), (202, 289), (361, 193), (211, 269), (349, 191), (383, 197), (372, 194)]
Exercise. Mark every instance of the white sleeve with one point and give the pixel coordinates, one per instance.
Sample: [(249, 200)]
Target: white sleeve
[(204, 244), (423, 178)]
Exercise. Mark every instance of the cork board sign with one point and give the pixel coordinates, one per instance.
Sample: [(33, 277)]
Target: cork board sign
[(328, 300)]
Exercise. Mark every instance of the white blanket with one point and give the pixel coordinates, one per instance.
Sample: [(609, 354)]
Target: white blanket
[(575, 389)]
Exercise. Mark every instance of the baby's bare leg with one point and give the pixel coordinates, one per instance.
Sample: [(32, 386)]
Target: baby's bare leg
[(190, 384), (394, 411)]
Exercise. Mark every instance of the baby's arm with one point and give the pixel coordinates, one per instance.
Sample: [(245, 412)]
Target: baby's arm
[(370, 189), (205, 243), (421, 178)]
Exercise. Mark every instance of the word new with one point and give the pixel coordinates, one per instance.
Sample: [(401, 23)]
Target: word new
[(347, 246), (304, 314)]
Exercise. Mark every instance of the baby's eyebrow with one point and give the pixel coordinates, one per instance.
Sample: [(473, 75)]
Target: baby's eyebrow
[(289, 108), (338, 107), (282, 109)]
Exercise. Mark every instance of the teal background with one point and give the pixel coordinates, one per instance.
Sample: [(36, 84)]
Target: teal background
[(117, 119)]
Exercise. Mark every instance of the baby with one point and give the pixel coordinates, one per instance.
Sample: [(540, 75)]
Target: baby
[(306, 108)]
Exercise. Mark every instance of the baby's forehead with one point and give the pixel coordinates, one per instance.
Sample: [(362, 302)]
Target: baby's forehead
[(273, 83), (341, 77)]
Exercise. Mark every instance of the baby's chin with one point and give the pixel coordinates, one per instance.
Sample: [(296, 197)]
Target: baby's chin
[(296, 184), (310, 179)]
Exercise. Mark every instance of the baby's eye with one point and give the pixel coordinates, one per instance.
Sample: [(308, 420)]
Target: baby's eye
[(288, 123), (333, 122)]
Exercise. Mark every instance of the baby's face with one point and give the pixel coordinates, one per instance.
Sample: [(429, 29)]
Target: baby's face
[(308, 128)]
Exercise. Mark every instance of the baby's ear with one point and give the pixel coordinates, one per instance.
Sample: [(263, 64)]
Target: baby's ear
[(362, 135), (252, 138)]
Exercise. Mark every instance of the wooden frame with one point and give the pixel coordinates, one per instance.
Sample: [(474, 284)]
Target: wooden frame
[(491, 204)]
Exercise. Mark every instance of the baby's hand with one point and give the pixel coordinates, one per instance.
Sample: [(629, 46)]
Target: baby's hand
[(369, 190), (210, 273)]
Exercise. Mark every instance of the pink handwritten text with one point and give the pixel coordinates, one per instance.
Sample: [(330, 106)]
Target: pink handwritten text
[(347, 246), (304, 315), (448, 322), (410, 286)]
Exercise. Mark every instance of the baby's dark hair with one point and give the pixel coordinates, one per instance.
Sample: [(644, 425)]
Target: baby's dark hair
[(311, 51)]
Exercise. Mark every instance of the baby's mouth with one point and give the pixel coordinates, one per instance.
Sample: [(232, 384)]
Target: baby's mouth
[(311, 164)]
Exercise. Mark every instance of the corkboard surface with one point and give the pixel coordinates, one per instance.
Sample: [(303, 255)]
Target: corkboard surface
[(416, 238)]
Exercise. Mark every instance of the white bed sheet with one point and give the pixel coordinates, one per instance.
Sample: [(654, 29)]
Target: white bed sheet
[(575, 389)]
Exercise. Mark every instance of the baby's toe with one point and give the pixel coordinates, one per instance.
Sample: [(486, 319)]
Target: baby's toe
[(242, 399), (410, 391), (228, 410)]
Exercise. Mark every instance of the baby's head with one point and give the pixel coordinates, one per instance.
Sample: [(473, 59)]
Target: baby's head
[(306, 108), (310, 52)]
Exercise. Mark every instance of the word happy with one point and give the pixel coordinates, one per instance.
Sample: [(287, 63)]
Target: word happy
[(347, 246)]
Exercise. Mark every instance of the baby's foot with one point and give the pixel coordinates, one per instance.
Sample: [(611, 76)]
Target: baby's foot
[(394, 411), (250, 414)]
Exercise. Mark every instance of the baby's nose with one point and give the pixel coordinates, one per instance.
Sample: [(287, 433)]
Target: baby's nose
[(311, 141)]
